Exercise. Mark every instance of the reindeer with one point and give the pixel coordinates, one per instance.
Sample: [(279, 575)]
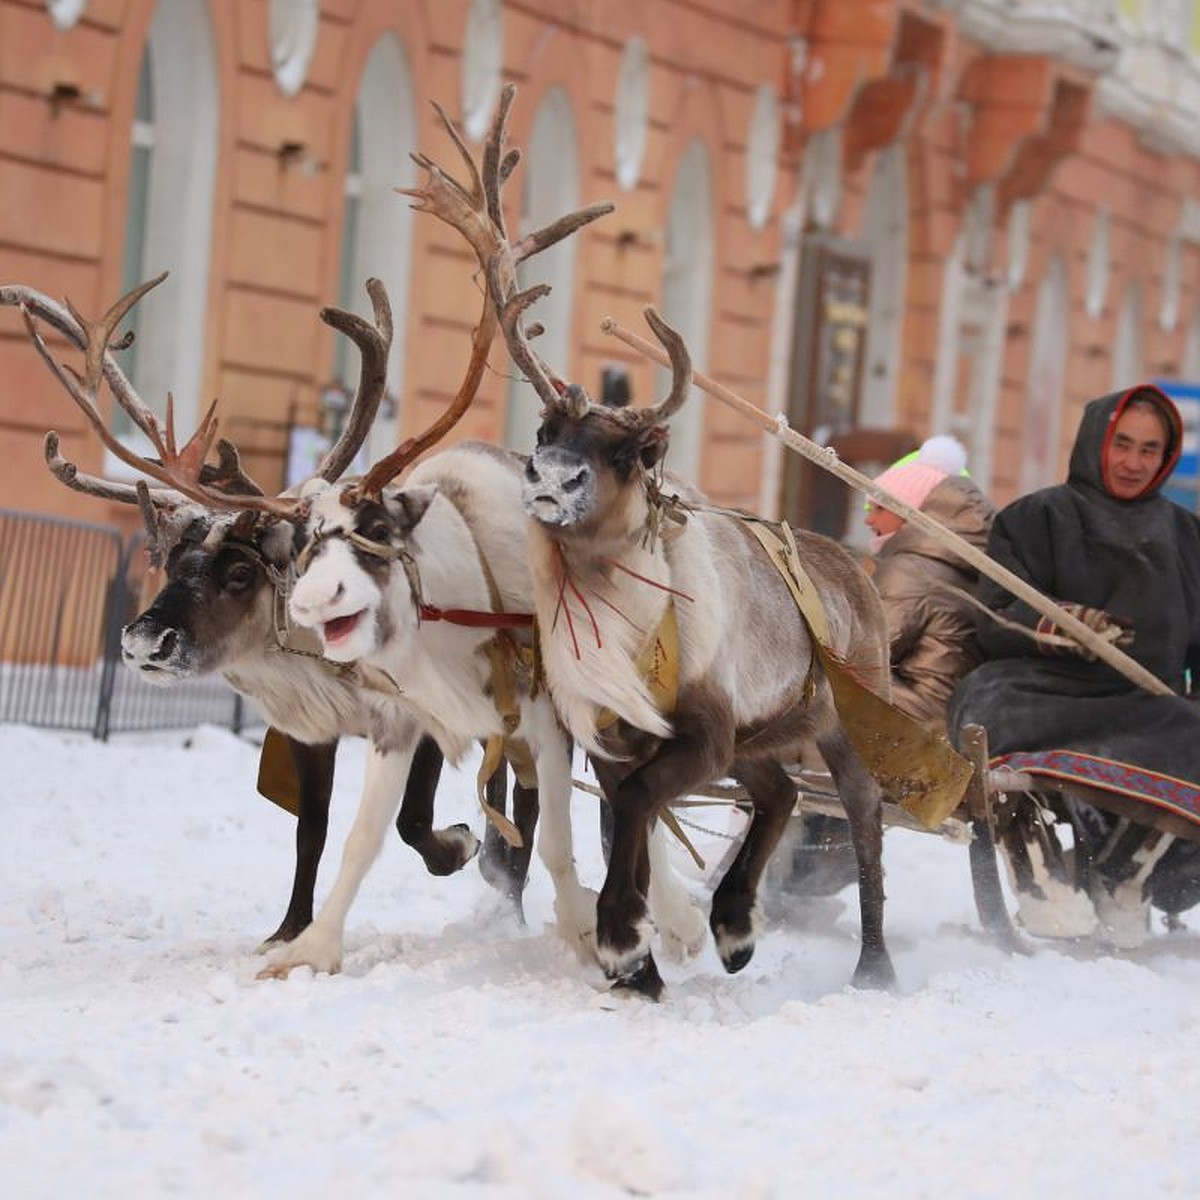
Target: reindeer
[(620, 568), (222, 607), (415, 582)]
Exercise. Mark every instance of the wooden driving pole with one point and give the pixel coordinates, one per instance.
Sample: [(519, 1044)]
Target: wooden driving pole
[(827, 460)]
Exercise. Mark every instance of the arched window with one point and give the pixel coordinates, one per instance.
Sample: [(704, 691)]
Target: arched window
[(377, 224), (1099, 263), (133, 265), (64, 13), (482, 59), (1191, 350), (168, 221), (549, 189), (1047, 381), (762, 155), (885, 231), (687, 297), (1127, 351), (631, 112)]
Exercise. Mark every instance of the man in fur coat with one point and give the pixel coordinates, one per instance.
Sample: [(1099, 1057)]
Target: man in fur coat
[(1126, 561)]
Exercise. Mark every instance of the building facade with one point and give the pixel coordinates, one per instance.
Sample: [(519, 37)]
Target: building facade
[(902, 215)]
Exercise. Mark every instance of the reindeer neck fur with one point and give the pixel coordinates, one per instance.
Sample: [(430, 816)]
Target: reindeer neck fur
[(300, 696), (600, 596)]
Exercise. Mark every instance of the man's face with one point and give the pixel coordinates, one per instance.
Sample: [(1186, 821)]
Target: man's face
[(1135, 452)]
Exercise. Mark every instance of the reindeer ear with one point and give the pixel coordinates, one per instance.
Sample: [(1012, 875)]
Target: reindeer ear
[(653, 445), (278, 541), (409, 506), (244, 522)]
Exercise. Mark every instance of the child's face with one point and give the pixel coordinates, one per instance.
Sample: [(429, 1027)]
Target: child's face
[(882, 521)]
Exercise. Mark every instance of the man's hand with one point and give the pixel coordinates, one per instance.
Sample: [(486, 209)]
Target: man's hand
[(1052, 639)]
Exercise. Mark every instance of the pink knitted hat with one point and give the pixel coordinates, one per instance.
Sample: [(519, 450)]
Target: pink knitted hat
[(913, 478)]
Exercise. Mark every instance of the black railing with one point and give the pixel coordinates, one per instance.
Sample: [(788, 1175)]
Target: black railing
[(66, 590)]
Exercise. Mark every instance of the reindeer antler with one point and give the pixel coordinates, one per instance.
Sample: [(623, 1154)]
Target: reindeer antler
[(374, 342), (475, 210), (68, 474), (681, 369), (59, 317), (182, 469)]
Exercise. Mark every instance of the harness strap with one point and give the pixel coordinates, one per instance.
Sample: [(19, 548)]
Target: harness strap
[(781, 549), (501, 652), (475, 619), (915, 766)]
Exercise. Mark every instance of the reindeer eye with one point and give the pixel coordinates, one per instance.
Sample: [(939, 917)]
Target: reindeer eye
[(239, 575), (377, 531)]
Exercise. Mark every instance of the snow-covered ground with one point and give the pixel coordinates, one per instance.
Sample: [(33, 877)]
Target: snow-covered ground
[(459, 1055)]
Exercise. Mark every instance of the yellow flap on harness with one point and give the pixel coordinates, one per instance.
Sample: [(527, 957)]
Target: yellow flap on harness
[(916, 768), (277, 778), (658, 665), (493, 755)]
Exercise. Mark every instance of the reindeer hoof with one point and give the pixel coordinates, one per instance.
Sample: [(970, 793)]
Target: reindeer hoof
[(642, 978), (289, 931), (874, 971), (281, 970), (453, 848), (275, 971), (317, 947), (736, 958)]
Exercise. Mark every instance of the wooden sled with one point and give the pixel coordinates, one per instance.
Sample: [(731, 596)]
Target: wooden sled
[(990, 817), (1019, 810)]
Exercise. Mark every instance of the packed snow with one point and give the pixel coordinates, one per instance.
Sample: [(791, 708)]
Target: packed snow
[(459, 1054)]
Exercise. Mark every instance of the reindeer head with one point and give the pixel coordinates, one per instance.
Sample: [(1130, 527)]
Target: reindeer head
[(589, 456), (357, 584), (218, 605), (227, 547)]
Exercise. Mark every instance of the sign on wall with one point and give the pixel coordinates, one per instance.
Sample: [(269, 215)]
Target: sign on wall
[(829, 346), (1184, 485)]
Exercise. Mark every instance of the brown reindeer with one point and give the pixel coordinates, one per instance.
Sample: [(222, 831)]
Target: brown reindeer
[(622, 570)]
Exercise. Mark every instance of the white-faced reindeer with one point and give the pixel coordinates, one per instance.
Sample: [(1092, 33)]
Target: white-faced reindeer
[(223, 607), (415, 581), (618, 569)]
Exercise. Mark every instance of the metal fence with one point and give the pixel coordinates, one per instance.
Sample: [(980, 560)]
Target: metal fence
[(66, 590)]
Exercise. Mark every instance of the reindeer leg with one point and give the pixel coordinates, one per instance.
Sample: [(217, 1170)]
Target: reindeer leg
[(623, 924), (443, 851), (574, 904), (314, 768), (736, 919), (506, 867), (699, 751), (682, 929), (320, 945), (859, 794)]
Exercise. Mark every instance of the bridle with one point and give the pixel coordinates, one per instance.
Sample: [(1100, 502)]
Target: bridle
[(495, 618)]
